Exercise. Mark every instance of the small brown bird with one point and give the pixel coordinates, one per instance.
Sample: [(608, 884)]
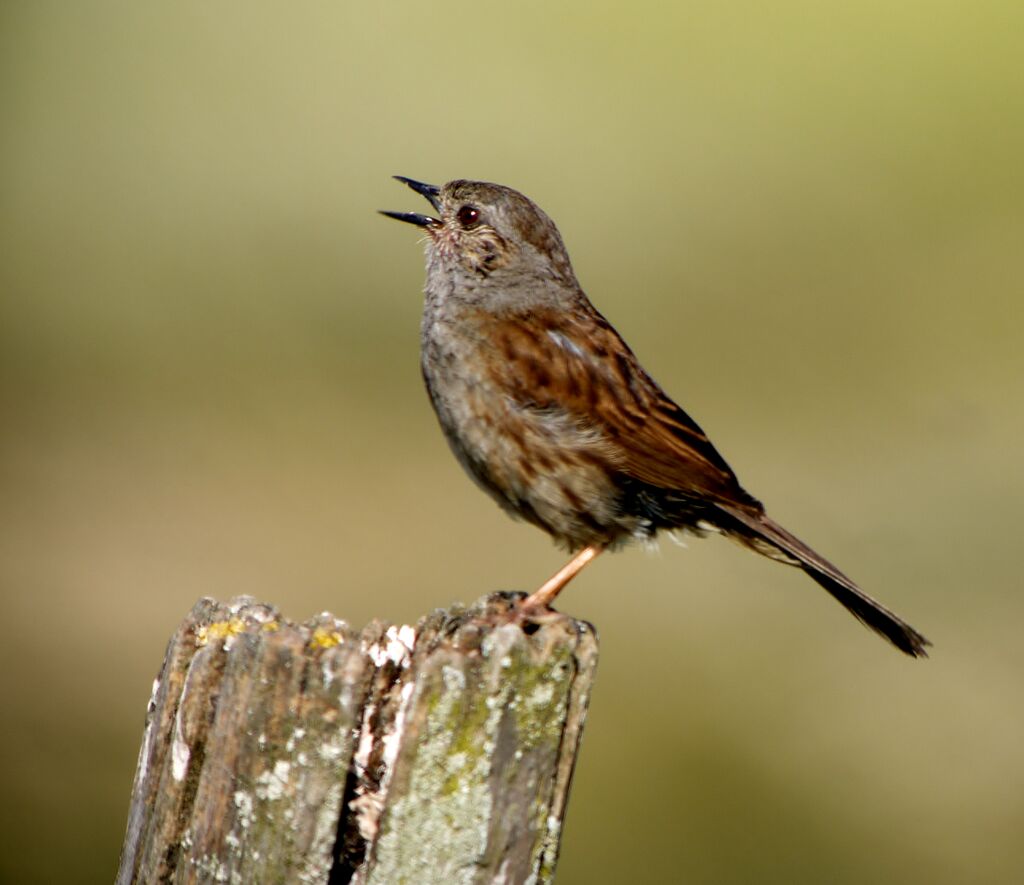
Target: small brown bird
[(551, 413)]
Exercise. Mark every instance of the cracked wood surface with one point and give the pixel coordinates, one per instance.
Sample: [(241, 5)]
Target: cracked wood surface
[(283, 752)]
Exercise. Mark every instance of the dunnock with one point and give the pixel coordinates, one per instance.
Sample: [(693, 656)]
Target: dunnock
[(551, 413)]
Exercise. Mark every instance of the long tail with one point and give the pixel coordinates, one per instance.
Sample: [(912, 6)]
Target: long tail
[(768, 537)]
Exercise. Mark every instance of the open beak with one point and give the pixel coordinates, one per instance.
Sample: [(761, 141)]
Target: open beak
[(431, 191)]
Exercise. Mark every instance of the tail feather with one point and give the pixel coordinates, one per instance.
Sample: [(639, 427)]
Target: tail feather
[(768, 537)]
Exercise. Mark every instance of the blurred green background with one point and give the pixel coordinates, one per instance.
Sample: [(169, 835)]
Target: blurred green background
[(808, 220)]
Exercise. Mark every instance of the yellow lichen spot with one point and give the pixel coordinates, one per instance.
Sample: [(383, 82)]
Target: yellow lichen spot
[(271, 627), (219, 630), (323, 638)]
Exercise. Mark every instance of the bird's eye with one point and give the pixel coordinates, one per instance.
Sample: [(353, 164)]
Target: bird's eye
[(468, 216)]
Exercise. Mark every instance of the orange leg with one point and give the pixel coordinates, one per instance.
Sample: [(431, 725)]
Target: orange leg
[(545, 595)]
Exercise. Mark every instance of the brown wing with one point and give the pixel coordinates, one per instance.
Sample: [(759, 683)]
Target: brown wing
[(578, 364)]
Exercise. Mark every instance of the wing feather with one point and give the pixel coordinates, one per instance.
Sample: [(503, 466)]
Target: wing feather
[(576, 363)]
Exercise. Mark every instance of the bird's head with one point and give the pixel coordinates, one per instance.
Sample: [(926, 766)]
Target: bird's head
[(484, 230)]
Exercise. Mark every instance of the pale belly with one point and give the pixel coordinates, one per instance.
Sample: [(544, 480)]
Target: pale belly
[(538, 464)]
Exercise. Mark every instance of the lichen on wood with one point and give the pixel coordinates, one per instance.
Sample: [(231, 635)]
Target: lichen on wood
[(281, 752)]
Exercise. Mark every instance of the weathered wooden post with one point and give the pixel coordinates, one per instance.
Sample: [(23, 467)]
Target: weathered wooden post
[(280, 752)]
